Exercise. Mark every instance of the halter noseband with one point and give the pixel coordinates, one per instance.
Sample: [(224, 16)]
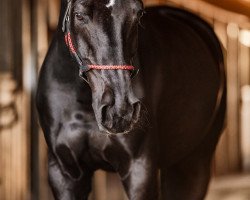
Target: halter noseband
[(83, 68)]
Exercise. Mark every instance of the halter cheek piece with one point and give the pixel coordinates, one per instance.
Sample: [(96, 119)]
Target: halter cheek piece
[(83, 68)]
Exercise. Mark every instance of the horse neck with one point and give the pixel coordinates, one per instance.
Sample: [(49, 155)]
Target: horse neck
[(59, 53), (59, 60)]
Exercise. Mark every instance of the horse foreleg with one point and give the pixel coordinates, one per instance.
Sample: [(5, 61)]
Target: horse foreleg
[(66, 188), (140, 181)]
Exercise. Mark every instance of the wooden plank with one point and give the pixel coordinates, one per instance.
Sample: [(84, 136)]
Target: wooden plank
[(53, 13), (245, 128), (42, 31), (244, 64), (220, 29), (153, 2), (25, 98), (233, 98), (20, 166), (25, 194), (213, 11), (221, 155), (8, 158)]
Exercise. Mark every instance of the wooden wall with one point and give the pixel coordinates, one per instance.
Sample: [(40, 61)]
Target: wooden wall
[(14, 144), (14, 183)]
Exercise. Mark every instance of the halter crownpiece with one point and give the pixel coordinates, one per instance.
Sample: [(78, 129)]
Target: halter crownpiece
[(83, 68)]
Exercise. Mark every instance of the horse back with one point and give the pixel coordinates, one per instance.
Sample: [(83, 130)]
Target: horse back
[(181, 62)]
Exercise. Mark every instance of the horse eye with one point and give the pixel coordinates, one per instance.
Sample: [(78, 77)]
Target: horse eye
[(80, 17)]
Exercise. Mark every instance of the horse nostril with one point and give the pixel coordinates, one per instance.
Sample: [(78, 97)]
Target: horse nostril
[(104, 113), (136, 111), (107, 103)]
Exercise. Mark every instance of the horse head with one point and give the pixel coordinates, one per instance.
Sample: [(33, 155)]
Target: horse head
[(102, 37)]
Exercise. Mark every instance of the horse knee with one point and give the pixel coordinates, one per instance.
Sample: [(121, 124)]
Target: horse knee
[(68, 162)]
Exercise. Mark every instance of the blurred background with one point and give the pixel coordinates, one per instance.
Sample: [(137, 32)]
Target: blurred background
[(26, 29)]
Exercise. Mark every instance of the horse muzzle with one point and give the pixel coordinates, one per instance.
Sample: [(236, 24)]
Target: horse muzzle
[(119, 118)]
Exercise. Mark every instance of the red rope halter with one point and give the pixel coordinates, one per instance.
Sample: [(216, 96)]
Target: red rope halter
[(112, 67)]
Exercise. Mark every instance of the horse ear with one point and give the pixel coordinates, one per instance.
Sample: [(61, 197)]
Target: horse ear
[(64, 3), (68, 162)]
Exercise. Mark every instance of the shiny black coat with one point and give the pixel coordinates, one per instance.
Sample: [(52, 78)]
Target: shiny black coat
[(181, 85)]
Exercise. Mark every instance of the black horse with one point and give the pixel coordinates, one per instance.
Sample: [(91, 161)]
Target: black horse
[(95, 115)]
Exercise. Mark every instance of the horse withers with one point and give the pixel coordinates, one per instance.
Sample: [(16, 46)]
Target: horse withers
[(95, 114)]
